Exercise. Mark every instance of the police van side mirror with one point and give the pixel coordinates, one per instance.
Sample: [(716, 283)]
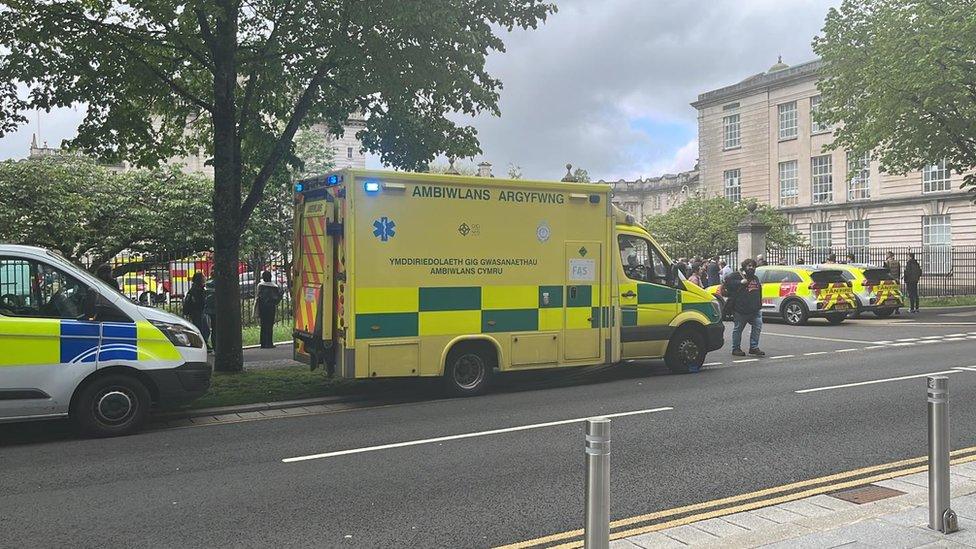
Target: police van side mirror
[(92, 298)]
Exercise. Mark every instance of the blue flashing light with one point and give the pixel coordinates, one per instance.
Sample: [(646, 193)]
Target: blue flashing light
[(299, 187), (371, 186), (333, 180), (594, 199)]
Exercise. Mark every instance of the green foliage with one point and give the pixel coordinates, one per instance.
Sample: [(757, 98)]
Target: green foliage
[(899, 79), (707, 226), (461, 168), (83, 210), (514, 171)]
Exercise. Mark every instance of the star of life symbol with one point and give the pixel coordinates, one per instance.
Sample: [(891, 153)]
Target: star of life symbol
[(383, 228)]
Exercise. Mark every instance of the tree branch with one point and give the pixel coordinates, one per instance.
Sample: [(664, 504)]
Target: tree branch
[(250, 85), (180, 90)]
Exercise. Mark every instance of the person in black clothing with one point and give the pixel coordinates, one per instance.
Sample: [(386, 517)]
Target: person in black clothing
[(104, 273), (745, 298), (268, 296), (913, 273), (713, 270), (193, 304)]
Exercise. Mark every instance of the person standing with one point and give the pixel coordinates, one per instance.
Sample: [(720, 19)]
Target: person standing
[(913, 273), (713, 272), (210, 310), (761, 260), (832, 258), (745, 294), (851, 259), (893, 266), (193, 304), (104, 273), (723, 270), (695, 278), (265, 305)]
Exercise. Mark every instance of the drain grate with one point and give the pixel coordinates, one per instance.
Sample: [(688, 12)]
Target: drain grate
[(866, 494)]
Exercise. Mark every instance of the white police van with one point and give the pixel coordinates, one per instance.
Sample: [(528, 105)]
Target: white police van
[(71, 345)]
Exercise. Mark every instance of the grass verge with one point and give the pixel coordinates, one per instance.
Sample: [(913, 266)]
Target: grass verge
[(949, 301), (248, 387), (252, 334)]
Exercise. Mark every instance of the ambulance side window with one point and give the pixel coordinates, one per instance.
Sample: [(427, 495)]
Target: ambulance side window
[(641, 261), (34, 289)]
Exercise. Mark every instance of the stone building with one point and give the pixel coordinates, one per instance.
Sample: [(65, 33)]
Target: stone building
[(655, 195), (757, 140)]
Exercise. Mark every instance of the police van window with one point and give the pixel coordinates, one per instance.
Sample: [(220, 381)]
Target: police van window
[(34, 289), (640, 261)]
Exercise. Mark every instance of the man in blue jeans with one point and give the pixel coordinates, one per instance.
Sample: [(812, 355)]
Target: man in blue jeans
[(745, 298)]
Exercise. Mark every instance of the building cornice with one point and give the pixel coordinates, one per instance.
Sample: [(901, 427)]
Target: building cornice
[(953, 197), (760, 82)]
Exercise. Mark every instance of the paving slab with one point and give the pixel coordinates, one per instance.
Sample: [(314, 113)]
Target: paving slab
[(720, 528), (689, 535), (655, 540), (885, 534), (749, 520), (777, 514)]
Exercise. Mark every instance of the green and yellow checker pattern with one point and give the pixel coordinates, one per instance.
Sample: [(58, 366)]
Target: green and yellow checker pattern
[(660, 305), (434, 311)]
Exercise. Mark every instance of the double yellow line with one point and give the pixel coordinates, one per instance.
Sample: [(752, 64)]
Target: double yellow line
[(687, 514)]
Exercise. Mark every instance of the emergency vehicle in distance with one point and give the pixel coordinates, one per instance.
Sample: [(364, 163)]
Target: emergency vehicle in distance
[(74, 346), (403, 274)]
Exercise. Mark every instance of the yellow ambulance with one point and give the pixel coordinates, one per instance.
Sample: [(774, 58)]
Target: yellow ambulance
[(406, 275)]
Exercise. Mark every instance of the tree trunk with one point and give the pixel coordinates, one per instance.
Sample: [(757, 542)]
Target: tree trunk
[(229, 356)]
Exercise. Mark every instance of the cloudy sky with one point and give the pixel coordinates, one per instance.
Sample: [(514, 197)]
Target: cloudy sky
[(605, 84)]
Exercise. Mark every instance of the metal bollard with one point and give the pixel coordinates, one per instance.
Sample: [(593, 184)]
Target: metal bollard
[(597, 530), (941, 517)]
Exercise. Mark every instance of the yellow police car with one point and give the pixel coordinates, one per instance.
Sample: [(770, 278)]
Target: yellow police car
[(796, 293), (874, 288), (74, 347)]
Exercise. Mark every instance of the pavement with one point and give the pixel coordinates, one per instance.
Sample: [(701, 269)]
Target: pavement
[(506, 468), (899, 520)]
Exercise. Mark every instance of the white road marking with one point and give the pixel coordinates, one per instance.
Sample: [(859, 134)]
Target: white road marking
[(818, 338), (846, 350), (874, 347), (873, 382), (967, 368), (712, 364), (745, 360), (883, 342), (908, 339), (929, 341), (932, 337), (816, 353), (782, 356), (954, 335), (954, 339), (907, 344), (468, 435)]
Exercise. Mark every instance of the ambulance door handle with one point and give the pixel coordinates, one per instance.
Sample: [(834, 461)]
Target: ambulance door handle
[(628, 293)]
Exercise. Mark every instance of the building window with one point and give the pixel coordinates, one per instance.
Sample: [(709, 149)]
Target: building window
[(733, 185), (822, 179), (787, 120), (820, 235), (349, 152), (630, 207), (656, 202), (857, 234), (788, 183), (859, 176), (936, 177), (731, 131), (936, 244), (815, 127)]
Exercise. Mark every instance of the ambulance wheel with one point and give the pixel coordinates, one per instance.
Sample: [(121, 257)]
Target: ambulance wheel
[(836, 318), (884, 313), (686, 351), (795, 313), (111, 406), (468, 368)]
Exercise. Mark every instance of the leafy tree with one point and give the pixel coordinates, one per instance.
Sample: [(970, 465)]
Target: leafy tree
[(899, 80), (707, 226), (239, 79), (461, 169), (87, 212), (581, 175)]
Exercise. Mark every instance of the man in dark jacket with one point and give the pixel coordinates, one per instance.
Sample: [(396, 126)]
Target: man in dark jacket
[(913, 273), (193, 303), (745, 296), (714, 278)]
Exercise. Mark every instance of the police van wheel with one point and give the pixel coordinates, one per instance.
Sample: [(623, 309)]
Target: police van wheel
[(110, 406), (794, 313), (468, 369), (686, 351)]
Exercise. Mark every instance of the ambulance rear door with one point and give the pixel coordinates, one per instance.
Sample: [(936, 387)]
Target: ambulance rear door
[(314, 276)]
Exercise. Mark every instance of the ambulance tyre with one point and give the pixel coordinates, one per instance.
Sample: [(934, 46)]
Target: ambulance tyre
[(109, 406), (884, 313), (686, 351), (468, 368), (795, 312), (836, 318)]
